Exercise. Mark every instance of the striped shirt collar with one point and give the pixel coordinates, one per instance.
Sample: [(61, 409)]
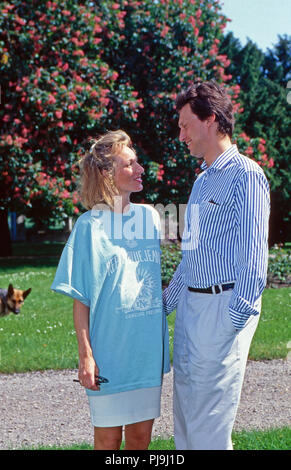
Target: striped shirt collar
[(222, 160)]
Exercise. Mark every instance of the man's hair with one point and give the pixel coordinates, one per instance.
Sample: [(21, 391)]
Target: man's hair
[(209, 98)]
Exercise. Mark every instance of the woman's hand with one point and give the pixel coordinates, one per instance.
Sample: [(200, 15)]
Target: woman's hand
[(87, 373)]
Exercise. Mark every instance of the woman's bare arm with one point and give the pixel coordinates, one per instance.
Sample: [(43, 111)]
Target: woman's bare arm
[(87, 366)]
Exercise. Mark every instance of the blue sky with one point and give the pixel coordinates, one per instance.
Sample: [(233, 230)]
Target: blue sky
[(259, 20)]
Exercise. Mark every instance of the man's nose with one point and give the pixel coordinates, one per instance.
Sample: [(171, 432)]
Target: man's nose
[(182, 136)]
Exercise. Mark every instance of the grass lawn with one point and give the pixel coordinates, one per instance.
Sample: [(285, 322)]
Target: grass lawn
[(274, 439), (42, 336)]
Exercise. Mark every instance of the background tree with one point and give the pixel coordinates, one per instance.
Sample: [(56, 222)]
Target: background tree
[(266, 113), (277, 63), (72, 70), (57, 91)]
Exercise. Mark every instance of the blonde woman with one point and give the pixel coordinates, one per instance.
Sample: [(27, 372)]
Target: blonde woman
[(110, 266)]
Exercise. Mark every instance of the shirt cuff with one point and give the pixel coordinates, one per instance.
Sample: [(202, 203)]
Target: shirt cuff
[(238, 319), (166, 307), (241, 309)]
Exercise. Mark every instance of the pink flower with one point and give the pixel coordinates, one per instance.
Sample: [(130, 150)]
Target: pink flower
[(59, 114), (191, 20), (104, 92), (198, 13), (51, 99), (20, 20), (65, 194), (9, 140), (165, 31), (79, 52), (97, 29), (63, 139), (271, 163)]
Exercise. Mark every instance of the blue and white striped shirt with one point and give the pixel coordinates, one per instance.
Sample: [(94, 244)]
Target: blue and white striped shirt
[(225, 238)]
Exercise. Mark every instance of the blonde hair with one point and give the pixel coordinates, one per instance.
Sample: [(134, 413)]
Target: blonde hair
[(95, 187)]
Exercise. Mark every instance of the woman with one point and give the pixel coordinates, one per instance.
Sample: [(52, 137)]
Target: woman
[(111, 267)]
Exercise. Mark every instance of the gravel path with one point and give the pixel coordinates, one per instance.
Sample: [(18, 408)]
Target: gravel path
[(49, 408)]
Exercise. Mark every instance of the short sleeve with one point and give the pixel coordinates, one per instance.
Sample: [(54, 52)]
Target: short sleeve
[(72, 277)]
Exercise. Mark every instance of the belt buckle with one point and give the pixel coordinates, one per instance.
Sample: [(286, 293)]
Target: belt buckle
[(214, 289)]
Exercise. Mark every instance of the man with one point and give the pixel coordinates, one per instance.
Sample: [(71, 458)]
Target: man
[(217, 287)]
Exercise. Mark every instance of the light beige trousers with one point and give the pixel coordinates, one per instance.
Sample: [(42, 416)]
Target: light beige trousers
[(209, 364)]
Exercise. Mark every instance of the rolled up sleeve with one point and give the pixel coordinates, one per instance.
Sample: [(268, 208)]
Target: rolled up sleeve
[(252, 212)]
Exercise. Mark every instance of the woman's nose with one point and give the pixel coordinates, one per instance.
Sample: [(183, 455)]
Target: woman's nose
[(140, 168)]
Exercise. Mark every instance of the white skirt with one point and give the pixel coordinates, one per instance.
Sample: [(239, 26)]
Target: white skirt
[(122, 408)]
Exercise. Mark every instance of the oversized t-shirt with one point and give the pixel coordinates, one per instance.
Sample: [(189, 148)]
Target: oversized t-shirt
[(111, 263)]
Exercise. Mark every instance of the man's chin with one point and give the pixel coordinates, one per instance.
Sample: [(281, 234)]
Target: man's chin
[(196, 155)]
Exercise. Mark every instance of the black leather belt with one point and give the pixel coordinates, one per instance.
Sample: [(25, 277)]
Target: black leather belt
[(212, 290)]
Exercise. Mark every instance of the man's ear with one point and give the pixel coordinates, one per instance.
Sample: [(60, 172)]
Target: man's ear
[(211, 119)]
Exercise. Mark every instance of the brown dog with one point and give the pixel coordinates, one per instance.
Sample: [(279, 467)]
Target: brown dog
[(11, 300)]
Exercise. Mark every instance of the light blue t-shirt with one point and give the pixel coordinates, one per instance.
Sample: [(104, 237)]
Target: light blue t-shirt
[(111, 263)]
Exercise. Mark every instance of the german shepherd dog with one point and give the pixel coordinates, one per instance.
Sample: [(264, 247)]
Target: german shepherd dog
[(11, 300)]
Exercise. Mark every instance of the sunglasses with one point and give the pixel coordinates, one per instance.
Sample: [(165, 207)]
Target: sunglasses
[(99, 380)]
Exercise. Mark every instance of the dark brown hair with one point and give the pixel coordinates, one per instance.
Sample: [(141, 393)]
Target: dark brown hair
[(209, 98)]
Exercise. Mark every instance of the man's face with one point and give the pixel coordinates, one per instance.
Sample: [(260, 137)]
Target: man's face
[(193, 131)]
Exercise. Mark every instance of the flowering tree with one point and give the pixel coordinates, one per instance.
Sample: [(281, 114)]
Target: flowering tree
[(163, 47), (71, 70), (56, 91)]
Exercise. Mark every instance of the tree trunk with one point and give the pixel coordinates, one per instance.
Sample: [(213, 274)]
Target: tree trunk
[(5, 245)]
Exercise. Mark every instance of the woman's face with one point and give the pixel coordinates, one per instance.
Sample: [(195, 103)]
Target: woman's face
[(127, 172)]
